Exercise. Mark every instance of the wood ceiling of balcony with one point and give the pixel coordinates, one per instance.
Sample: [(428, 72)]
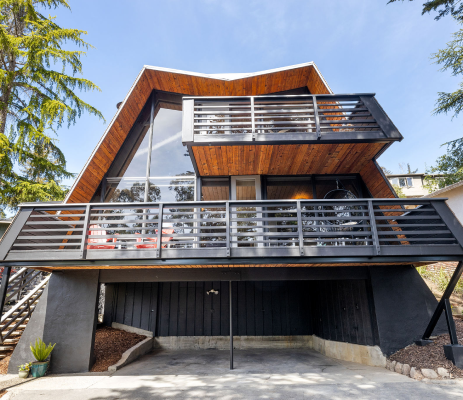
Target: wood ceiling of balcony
[(58, 268), (296, 159), (188, 84)]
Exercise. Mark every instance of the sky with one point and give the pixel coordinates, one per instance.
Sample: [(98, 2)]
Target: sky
[(360, 46)]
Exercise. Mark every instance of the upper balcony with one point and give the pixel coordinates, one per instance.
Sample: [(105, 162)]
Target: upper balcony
[(217, 129), (287, 232)]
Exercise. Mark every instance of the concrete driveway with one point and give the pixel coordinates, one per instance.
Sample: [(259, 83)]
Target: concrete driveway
[(259, 374)]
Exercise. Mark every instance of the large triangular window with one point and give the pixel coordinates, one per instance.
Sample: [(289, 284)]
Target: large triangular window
[(156, 170)]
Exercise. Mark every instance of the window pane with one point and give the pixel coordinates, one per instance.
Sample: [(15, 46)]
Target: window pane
[(215, 189), (172, 189), (289, 188), (136, 163), (410, 182), (402, 182), (126, 190), (168, 156)]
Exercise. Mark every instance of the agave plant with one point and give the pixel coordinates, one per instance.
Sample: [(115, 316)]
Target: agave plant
[(40, 350)]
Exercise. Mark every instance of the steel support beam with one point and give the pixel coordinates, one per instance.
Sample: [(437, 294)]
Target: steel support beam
[(4, 286), (444, 304), (231, 323)]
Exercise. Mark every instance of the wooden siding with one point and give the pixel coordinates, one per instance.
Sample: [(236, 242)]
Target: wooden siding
[(335, 310), (375, 181), (343, 311), (151, 79), (285, 159)]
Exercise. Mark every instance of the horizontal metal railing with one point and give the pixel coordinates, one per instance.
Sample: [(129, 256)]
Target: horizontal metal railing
[(234, 229), (277, 117)]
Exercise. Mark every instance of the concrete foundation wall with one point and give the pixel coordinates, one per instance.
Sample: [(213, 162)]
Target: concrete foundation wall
[(66, 315), (403, 305), (368, 355)]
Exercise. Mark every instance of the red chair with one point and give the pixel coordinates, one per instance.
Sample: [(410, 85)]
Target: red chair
[(153, 241), (93, 231)]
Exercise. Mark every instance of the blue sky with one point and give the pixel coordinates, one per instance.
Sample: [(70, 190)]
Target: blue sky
[(360, 46)]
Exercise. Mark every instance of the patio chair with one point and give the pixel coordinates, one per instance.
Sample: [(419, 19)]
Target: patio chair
[(151, 243), (99, 243)]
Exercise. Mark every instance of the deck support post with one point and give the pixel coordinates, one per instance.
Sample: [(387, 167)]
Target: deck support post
[(231, 323), (4, 286), (453, 351)]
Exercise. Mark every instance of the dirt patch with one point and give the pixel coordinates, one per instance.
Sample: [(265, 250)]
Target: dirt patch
[(431, 356), (110, 344), (4, 364)]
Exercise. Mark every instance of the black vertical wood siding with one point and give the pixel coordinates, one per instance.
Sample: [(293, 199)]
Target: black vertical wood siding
[(334, 310)]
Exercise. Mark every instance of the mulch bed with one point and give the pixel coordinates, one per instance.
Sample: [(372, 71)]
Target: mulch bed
[(4, 362), (110, 344), (431, 356)]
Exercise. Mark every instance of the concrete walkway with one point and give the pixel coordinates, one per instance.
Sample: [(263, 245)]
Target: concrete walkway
[(259, 374)]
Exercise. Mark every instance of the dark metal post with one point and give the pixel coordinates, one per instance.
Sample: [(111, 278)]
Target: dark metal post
[(231, 324), (441, 306), (450, 322), (4, 286)]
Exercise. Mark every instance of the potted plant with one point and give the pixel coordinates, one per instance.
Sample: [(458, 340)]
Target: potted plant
[(24, 370), (41, 352)]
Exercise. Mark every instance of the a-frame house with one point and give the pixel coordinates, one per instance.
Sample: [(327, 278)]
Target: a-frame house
[(251, 195)]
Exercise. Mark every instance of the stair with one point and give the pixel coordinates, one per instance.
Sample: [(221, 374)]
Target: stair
[(26, 287)]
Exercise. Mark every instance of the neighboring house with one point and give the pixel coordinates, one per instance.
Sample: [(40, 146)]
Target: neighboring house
[(454, 195), (252, 196), (412, 185)]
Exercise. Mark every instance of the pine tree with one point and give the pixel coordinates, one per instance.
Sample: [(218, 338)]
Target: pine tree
[(450, 58), (38, 80)]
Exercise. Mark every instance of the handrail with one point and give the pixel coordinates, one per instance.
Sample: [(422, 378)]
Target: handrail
[(25, 299), (235, 229)]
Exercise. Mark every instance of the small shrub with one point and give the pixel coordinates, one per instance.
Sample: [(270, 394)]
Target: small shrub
[(440, 278), (40, 350)]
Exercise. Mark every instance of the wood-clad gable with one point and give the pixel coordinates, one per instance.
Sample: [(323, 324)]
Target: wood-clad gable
[(187, 84)]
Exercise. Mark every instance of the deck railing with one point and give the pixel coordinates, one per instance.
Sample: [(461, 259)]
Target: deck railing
[(286, 118), (234, 229)]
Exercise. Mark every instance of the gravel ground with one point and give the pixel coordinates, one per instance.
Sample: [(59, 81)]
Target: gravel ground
[(110, 344), (431, 356)]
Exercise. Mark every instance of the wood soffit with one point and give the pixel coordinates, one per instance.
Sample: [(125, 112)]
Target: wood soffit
[(65, 268)]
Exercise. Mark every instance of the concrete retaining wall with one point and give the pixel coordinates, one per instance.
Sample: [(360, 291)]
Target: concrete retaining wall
[(133, 353), (368, 355)]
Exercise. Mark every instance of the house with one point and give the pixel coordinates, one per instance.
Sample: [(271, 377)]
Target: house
[(249, 204), (454, 195), (412, 185)]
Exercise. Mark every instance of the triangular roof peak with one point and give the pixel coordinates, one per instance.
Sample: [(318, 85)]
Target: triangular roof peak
[(188, 83), (242, 75)]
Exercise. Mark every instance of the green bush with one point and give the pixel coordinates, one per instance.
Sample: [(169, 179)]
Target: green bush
[(440, 278), (41, 351)]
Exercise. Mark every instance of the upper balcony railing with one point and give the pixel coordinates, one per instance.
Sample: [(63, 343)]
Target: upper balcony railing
[(337, 230), (276, 118)]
